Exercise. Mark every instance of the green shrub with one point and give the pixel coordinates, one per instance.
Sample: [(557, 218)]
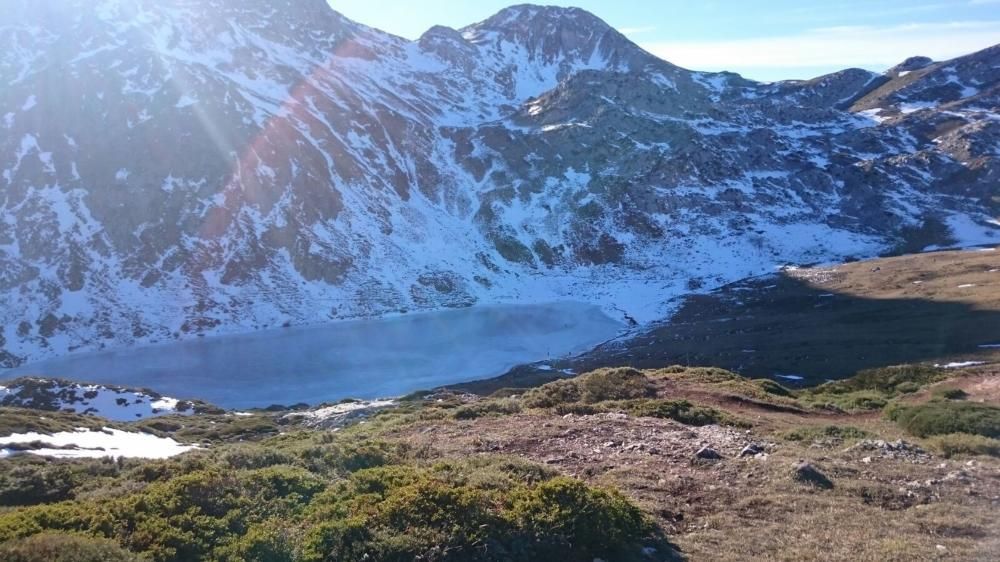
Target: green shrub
[(839, 432), (563, 519), (678, 410), (507, 392), (405, 513), (850, 401), (214, 429), (24, 420), (771, 387), (295, 487), (34, 482), (872, 389), (255, 457), (943, 417), (885, 381), (60, 547), (272, 541), (73, 517), (621, 383), (501, 407), (950, 394), (345, 456), (706, 375), (557, 392), (956, 444), (577, 409)]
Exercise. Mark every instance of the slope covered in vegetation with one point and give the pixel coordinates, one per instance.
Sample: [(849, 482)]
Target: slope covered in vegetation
[(617, 464)]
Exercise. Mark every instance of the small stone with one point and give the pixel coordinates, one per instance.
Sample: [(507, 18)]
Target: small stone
[(866, 460), (708, 453), (806, 473), (751, 450), (942, 548)]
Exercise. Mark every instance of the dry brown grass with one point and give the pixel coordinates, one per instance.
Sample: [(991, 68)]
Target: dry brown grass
[(883, 506)]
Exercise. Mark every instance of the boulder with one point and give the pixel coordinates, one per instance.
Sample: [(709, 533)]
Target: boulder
[(807, 473), (708, 453)]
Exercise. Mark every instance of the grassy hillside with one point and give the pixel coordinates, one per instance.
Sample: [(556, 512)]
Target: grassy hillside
[(618, 464)]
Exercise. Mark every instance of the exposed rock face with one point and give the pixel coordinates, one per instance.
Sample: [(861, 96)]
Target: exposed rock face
[(183, 167)]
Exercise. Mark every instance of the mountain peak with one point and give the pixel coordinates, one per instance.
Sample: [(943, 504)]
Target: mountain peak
[(911, 64), (531, 19), (553, 34)]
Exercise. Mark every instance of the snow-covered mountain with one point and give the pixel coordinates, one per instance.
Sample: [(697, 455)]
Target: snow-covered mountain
[(171, 168)]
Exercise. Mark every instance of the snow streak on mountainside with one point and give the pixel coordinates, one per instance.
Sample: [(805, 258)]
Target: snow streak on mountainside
[(180, 167)]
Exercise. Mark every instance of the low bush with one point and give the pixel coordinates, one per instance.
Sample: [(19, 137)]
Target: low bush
[(678, 410), (23, 420), (312, 495), (60, 547), (849, 401), (615, 384), (29, 480), (771, 387), (939, 417), (498, 407), (950, 394), (245, 457), (577, 409), (885, 380), (621, 383), (961, 444), (707, 375), (872, 389), (214, 429), (837, 432), (272, 541), (548, 395), (406, 513)]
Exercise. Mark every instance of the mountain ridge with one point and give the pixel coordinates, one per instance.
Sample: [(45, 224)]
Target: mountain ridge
[(185, 173)]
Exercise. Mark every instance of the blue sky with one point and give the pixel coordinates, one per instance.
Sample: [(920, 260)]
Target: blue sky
[(761, 39)]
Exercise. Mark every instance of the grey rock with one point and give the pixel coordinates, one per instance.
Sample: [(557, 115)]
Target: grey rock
[(807, 473), (708, 453)]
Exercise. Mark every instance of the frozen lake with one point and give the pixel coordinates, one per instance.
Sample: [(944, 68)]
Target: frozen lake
[(357, 358)]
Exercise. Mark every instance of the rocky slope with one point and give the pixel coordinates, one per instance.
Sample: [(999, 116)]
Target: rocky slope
[(185, 167)]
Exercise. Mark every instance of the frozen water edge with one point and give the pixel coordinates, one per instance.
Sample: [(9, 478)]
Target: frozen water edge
[(358, 358)]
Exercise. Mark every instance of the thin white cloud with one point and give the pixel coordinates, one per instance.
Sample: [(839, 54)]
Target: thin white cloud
[(840, 47)]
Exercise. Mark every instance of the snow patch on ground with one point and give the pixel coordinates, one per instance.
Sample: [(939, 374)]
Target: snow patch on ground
[(968, 232), (347, 407), (90, 443), (116, 404), (959, 364)]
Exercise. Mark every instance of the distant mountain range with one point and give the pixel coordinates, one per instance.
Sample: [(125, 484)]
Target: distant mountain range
[(172, 168)]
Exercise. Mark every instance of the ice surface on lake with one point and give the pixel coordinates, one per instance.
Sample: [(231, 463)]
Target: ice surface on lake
[(360, 359)]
